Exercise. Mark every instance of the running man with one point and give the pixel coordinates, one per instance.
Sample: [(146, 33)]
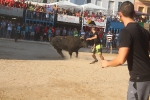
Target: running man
[(133, 47), (97, 48)]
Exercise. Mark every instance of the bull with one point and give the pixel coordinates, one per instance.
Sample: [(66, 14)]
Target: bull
[(68, 43)]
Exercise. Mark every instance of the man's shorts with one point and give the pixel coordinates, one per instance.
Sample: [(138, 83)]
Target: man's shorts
[(138, 90), (97, 49), (32, 33), (22, 32), (109, 44)]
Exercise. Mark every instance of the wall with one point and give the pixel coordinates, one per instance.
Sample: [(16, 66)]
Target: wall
[(144, 4)]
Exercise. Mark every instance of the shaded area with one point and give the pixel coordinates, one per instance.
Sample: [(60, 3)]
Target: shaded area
[(27, 51)]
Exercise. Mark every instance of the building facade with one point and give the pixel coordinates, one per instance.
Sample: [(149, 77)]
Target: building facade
[(111, 6), (142, 6)]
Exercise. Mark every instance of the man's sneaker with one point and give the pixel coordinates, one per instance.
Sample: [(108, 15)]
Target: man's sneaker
[(94, 61)]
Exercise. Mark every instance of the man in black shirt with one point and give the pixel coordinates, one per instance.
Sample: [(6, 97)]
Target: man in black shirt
[(134, 46), (97, 48)]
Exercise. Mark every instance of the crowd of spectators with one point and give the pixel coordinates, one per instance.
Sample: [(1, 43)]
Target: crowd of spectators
[(12, 3), (35, 11), (34, 32), (142, 18)]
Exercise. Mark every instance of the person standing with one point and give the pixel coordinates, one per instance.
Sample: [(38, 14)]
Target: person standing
[(32, 33), (23, 32), (27, 31), (69, 32), (64, 32), (45, 36), (109, 38), (17, 32), (75, 32), (3, 26), (134, 46), (50, 34), (37, 31), (41, 32), (9, 30), (97, 47), (104, 40)]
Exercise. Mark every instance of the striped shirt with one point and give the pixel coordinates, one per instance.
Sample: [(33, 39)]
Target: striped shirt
[(109, 37)]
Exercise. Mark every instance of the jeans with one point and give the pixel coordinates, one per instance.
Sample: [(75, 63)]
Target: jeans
[(8, 35)]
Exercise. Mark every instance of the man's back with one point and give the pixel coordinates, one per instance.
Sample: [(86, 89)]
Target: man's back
[(137, 39)]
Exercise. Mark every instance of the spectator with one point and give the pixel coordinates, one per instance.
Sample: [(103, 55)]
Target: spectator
[(104, 39), (53, 31), (109, 38), (82, 33), (75, 32), (17, 32), (9, 30), (117, 39), (30, 29), (57, 32), (50, 35), (27, 31), (64, 32), (45, 33), (70, 33), (3, 26), (37, 31), (41, 32), (32, 33), (23, 32)]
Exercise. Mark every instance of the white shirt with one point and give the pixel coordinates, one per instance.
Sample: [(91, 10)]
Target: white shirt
[(9, 27)]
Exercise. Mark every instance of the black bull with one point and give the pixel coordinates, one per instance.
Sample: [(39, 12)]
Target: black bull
[(68, 43)]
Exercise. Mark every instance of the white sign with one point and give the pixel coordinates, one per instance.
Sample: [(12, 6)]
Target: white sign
[(98, 22), (66, 18), (11, 11)]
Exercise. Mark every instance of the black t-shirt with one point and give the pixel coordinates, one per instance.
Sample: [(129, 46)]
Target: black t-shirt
[(137, 39), (96, 41)]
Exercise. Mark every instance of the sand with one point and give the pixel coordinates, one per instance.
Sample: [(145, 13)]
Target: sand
[(34, 71)]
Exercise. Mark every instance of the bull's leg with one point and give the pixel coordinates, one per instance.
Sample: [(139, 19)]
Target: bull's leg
[(70, 53), (76, 54), (60, 52)]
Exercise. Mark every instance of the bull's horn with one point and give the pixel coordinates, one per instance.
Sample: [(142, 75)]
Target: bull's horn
[(81, 37)]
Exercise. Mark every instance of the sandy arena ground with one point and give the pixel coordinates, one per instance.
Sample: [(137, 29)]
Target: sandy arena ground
[(34, 71)]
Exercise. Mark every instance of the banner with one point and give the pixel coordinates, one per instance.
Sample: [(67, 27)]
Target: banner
[(11, 11), (97, 21), (67, 18)]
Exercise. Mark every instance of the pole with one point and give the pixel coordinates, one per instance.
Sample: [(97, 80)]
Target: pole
[(83, 16)]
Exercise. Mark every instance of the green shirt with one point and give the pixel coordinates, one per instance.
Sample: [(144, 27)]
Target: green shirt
[(75, 33)]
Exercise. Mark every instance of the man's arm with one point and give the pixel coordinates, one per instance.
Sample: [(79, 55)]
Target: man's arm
[(119, 60), (92, 38)]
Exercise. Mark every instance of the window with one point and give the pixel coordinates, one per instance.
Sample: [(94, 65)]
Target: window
[(111, 5), (88, 1), (99, 2), (119, 5), (148, 10), (141, 9)]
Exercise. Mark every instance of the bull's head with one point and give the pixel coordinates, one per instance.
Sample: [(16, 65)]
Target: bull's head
[(84, 42)]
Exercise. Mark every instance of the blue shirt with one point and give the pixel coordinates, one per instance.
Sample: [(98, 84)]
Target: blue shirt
[(27, 29), (18, 29), (33, 29)]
